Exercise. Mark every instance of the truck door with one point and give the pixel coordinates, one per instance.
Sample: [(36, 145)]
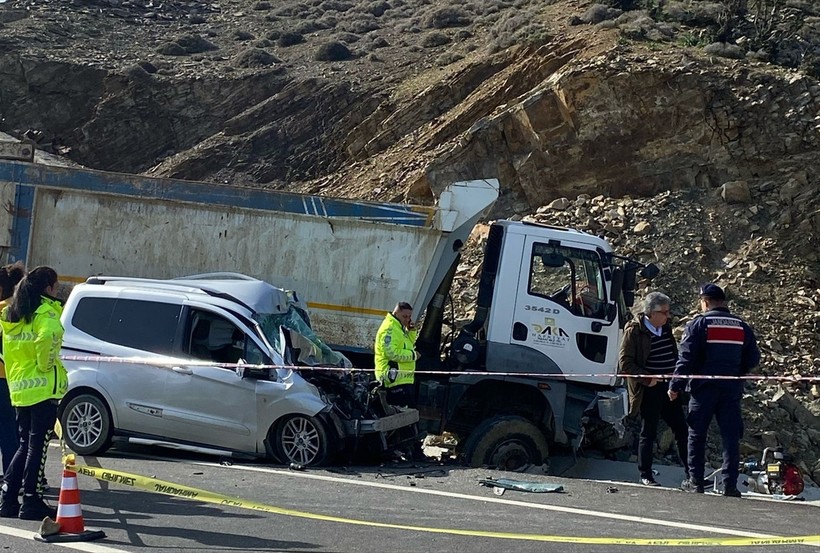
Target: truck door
[(560, 309)]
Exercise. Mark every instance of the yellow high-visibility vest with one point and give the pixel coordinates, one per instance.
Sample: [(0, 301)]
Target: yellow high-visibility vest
[(32, 355), (395, 357)]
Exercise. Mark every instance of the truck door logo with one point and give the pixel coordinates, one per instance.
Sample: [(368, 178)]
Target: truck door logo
[(549, 334)]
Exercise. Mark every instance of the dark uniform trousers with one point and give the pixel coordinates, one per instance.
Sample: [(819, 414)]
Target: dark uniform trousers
[(719, 399)]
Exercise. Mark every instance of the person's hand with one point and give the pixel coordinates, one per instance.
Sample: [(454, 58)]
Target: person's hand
[(672, 395), (652, 382)]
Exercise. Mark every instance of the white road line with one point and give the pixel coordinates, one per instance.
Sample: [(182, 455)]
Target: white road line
[(573, 510), (538, 506), (77, 546)]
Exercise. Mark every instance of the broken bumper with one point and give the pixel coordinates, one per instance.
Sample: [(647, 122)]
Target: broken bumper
[(405, 417)]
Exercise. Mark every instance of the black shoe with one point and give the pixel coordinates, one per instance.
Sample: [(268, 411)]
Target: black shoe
[(649, 481), (732, 492), (691, 486), (9, 507), (34, 508)]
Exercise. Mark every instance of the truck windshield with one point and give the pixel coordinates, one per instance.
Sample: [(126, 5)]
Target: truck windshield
[(569, 276), (297, 343)]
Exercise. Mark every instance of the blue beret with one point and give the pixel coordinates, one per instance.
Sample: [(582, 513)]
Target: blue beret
[(712, 291)]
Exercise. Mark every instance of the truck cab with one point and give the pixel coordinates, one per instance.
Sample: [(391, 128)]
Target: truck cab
[(551, 303)]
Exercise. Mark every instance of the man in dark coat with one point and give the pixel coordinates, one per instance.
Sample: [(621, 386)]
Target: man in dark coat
[(649, 348)]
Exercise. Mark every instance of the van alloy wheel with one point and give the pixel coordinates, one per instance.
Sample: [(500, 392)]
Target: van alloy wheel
[(86, 425), (302, 440)]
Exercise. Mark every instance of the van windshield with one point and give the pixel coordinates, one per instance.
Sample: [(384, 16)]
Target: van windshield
[(291, 336)]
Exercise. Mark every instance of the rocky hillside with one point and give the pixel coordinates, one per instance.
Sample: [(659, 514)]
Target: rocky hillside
[(686, 132)]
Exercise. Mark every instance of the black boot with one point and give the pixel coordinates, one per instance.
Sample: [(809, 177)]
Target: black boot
[(732, 491), (34, 508), (9, 506)]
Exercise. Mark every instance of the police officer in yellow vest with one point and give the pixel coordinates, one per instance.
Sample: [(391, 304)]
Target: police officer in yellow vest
[(395, 356), (32, 338)]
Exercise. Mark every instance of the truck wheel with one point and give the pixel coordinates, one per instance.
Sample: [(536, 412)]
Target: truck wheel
[(301, 439), (507, 442), (86, 424)]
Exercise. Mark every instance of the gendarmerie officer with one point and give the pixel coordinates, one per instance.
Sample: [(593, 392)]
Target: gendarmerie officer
[(714, 343)]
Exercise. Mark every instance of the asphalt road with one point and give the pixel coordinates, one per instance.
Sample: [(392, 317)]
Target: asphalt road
[(385, 509)]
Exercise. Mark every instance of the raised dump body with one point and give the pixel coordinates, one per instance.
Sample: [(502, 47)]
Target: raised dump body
[(351, 260)]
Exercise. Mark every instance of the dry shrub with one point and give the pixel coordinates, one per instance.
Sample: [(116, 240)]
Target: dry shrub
[(509, 24), (335, 5), (306, 27), (348, 38), (171, 49), (333, 51), (443, 18), (697, 14), (724, 50), (435, 39), (327, 22), (361, 25), (289, 39), (254, 57), (380, 42), (241, 35), (448, 58), (377, 9), (296, 10), (187, 44)]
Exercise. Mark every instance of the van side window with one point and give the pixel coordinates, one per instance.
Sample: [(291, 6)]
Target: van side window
[(215, 338), (144, 325)]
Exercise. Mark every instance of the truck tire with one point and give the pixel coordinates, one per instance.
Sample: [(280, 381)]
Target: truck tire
[(302, 440), (86, 423), (507, 442)]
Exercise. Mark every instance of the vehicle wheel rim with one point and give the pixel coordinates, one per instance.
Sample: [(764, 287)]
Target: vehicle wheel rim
[(84, 424), (300, 440), (511, 456)]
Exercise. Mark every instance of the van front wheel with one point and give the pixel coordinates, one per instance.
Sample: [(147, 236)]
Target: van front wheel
[(302, 440)]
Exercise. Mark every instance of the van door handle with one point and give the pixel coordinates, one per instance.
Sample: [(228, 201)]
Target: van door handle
[(182, 370)]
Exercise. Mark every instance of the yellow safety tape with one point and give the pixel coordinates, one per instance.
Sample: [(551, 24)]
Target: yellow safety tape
[(177, 490)]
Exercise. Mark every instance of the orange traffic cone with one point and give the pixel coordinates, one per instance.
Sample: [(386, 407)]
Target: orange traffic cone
[(69, 516)]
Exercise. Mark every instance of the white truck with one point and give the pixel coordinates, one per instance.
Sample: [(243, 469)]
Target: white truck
[(551, 304)]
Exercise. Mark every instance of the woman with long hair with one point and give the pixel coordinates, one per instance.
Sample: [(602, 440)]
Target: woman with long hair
[(32, 338), (10, 275)]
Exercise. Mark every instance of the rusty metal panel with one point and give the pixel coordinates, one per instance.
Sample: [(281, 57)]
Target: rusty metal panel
[(21, 151), (350, 271), (6, 216)]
